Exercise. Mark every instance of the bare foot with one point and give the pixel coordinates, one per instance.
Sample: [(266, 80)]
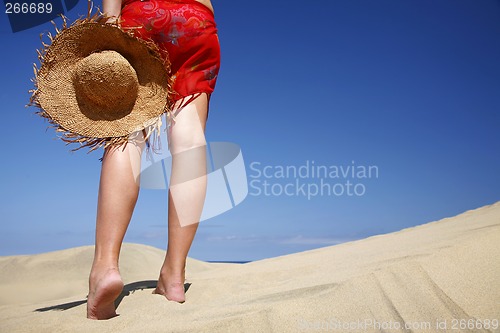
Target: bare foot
[(171, 286), (104, 289)]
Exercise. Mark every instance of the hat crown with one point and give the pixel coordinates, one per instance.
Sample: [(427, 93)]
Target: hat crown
[(99, 91), (107, 82)]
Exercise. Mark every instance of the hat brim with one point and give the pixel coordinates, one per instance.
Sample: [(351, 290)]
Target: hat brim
[(56, 97)]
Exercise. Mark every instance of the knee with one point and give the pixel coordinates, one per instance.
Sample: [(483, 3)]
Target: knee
[(187, 142)]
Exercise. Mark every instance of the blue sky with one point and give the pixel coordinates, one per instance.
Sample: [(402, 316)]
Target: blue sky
[(411, 87)]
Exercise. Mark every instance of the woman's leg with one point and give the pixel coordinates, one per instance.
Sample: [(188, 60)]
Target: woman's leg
[(186, 194), (118, 193)]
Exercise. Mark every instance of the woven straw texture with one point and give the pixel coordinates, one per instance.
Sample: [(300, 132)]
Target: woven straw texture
[(101, 86)]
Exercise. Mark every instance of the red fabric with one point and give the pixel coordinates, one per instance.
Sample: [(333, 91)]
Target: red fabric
[(186, 32)]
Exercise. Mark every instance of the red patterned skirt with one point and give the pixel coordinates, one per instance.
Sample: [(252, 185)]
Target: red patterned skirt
[(186, 32)]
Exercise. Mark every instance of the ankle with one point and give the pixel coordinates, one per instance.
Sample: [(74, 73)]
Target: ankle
[(99, 269), (175, 272), (172, 271)]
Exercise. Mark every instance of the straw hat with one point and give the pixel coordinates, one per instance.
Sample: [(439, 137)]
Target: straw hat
[(99, 85)]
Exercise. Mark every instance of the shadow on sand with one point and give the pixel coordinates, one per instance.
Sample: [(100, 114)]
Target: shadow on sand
[(127, 290)]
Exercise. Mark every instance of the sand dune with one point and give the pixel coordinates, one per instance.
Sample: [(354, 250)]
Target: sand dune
[(437, 277)]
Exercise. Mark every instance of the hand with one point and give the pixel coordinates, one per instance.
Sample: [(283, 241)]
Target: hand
[(113, 20), (112, 9)]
